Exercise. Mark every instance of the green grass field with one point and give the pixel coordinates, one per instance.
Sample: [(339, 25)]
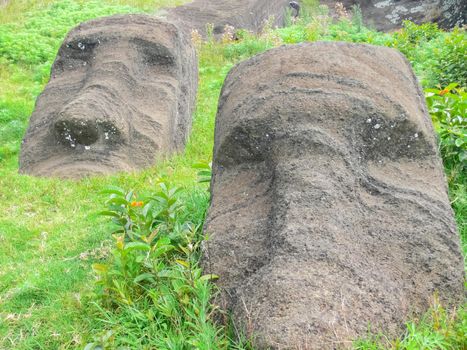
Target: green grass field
[(50, 233)]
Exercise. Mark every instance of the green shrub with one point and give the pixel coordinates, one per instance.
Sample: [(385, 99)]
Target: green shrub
[(448, 109), (247, 46), (438, 57), (412, 35), (293, 34), (452, 62), (153, 280), (357, 17)]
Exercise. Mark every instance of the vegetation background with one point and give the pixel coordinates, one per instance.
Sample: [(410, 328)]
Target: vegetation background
[(111, 262)]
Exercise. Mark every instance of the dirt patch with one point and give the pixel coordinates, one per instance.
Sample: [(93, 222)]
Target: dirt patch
[(329, 202), (121, 94)]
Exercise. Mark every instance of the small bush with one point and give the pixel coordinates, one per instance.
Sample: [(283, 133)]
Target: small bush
[(247, 46), (412, 35), (448, 109), (153, 283), (452, 62)]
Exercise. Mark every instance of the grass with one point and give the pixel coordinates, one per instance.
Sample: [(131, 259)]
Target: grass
[(50, 234)]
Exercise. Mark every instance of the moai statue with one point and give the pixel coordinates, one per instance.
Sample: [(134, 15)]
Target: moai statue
[(329, 204), (121, 94)]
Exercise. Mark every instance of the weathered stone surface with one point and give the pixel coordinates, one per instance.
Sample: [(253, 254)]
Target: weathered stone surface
[(121, 93), (388, 15), (240, 14), (329, 205)]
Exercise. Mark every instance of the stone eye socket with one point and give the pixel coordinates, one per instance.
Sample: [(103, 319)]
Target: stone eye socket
[(80, 45), (158, 58), (76, 53), (154, 54), (80, 48)]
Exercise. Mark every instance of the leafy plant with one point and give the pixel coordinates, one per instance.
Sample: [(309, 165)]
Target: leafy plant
[(154, 271), (357, 17), (448, 109), (452, 63), (412, 35), (204, 172)]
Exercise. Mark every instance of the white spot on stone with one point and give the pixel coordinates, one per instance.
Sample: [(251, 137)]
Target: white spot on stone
[(87, 148), (377, 126), (401, 9), (417, 9), (383, 4)]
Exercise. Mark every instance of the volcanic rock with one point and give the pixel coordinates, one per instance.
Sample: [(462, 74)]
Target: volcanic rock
[(387, 15)]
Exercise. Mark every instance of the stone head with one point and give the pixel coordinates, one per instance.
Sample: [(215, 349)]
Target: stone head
[(121, 93), (326, 181)]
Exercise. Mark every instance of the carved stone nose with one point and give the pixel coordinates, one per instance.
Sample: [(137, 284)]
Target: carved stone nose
[(76, 131)]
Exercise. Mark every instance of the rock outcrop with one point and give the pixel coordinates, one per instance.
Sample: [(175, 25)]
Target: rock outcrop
[(240, 14), (329, 204), (388, 15), (121, 93)]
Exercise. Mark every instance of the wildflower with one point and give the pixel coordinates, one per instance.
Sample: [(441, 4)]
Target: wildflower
[(229, 34), (341, 11), (136, 204), (196, 38)]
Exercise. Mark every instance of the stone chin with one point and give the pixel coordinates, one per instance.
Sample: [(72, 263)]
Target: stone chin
[(121, 94)]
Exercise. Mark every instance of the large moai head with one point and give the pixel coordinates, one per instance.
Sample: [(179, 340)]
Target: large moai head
[(329, 205), (121, 94)]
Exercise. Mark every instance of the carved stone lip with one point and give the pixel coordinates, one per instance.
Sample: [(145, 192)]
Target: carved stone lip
[(77, 168)]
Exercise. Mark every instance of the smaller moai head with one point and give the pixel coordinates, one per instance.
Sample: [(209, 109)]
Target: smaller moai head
[(121, 93)]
